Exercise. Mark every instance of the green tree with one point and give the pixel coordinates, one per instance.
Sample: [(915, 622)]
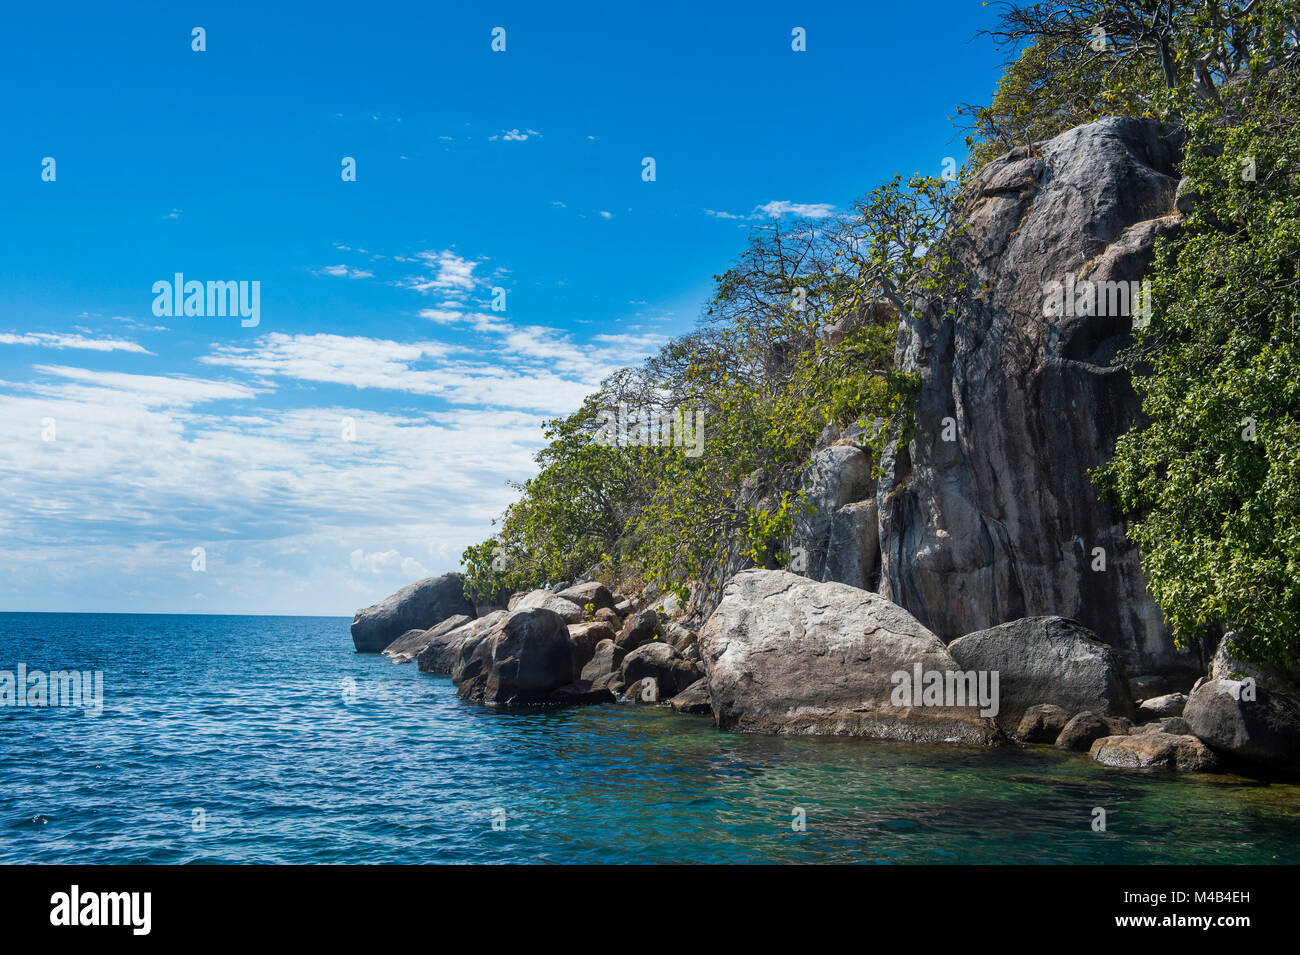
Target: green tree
[(1211, 475)]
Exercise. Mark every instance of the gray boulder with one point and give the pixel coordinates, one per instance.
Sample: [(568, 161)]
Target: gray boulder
[(1184, 754), (1228, 664), (583, 639), (592, 592), (1264, 731), (414, 642), (544, 599), (1173, 725), (522, 662), (441, 653), (665, 665), (694, 699), (784, 654), (644, 691), (418, 606), (605, 659), (639, 628), (1046, 660), (1042, 723), (854, 551), (987, 513), (1158, 707), (1087, 727)]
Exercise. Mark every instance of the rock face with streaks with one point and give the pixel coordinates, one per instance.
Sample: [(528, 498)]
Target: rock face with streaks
[(988, 515)]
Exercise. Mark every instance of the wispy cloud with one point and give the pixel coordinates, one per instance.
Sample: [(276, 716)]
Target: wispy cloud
[(54, 340), (778, 208), (343, 271)]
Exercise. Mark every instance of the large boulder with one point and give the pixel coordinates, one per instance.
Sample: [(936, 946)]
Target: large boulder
[(418, 606), (592, 592), (1228, 664), (414, 642), (987, 512), (522, 662), (1185, 754), (605, 659), (664, 664), (639, 628), (784, 654), (440, 654), (1264, 730), (583, 640), (1046, 660), (544, 599)]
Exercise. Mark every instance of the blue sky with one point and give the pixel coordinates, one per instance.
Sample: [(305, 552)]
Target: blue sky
[(475, 170)]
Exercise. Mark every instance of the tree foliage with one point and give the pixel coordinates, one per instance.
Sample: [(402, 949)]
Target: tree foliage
[(800, 332), (1211, 476)]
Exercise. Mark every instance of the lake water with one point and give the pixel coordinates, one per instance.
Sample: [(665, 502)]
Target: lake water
[(267, 739)]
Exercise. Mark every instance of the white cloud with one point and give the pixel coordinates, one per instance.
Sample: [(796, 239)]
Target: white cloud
[(387, 563), (777, 208), (342, 271), (808, 210), (51, 340), (514, 136), (449, 271)]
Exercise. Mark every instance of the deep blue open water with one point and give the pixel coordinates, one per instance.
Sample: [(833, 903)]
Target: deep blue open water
[(278, 743)]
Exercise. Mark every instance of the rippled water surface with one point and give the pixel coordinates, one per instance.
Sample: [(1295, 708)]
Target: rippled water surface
[(288, 747)]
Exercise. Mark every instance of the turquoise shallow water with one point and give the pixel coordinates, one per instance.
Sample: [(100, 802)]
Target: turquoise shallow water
[(295, 749)]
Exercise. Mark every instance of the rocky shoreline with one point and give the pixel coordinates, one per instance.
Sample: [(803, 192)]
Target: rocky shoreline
[(784, 654), (970, 586)]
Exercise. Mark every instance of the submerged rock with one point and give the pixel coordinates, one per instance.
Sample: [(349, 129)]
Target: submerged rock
[(1042, 723), (1087, 727), (784, 654), (418, 606), (1185, 754), (1046, 660)]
